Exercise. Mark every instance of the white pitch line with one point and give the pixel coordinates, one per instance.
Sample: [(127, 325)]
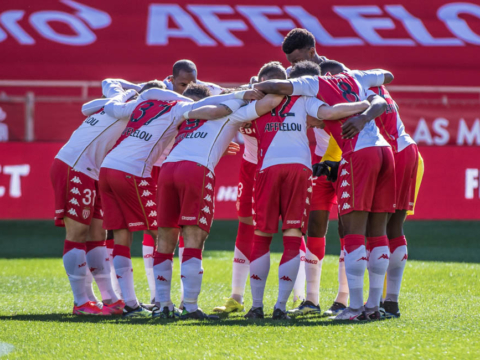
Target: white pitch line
[(6, 348)]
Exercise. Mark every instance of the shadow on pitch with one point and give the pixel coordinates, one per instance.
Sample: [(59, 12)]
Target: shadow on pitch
[(233, 321)]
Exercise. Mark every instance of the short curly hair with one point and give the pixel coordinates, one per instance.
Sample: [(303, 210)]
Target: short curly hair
[(304, 68), (272, 70), (152, 84), (197, 90), (298, 39), (331, 66)]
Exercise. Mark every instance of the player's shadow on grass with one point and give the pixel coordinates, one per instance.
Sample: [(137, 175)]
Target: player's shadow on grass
[(235, 321)]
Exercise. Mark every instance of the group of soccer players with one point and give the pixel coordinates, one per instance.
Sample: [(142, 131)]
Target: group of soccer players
[(145, 157)]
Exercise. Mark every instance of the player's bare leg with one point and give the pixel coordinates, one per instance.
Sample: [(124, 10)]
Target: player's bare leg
[(162, 270), (398, 260)]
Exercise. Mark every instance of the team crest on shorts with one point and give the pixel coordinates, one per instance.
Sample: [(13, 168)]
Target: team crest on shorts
[(86, 213)]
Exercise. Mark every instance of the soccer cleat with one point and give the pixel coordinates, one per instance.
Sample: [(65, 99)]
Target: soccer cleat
[(197, 315), (113, 309), (391, 309), (255, 313), (138, 312), (166, 313), (349, 314), (231, 305), (335, 309), (297, 303), (279, 314), (306, 307), (149, 307), (89, 308), (370, 315)]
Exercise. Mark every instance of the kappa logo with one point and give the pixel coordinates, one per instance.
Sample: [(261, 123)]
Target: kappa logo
[(239, 261), (255, 277), (76, 180), (285, 278), (153, 213), (154, 223), (340, 260), (383, 256), (183, 277), (82, 265), (344, 172), (346, 206), (210, 175), (74, 201), (309, 189), (150, 203), (146, 193), (208, 198), (305, 212), (143, 183), (293, 221), (59, 211), (75, 191), (345, 195), (203, 220), (405, 257), (72, 211), (206, 210), (161, 278), (200, 272), (307, 200), (136, 224), (209, 187), (343, 162), (92, 269), (189, 218), (344, 183), (119, 277), (363, 258)]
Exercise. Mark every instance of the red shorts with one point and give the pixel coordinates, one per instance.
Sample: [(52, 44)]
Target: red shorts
[(282, 190), (324, 195), (76, 195), (155, 173), (366, 181), (186, 195), (128, 201), (406, 164), (245, 188)]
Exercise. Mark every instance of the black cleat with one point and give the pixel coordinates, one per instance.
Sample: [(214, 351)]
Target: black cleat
[(391, 309), (280, 315), (197, 315), (335, 309), (255, 313), (166, 313)]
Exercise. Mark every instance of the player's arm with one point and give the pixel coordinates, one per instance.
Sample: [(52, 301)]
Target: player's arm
[(213, 112), (113, 87), (93, 106), (118, 108), (355, 124), (163, 95), (371, 78), (239, 95), (342, 110), (279, 87)]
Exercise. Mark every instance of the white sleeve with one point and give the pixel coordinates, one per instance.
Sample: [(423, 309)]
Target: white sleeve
[(312, 104), (214, 88), (245, 113), (370, 93), (214, 100), (93, 106), (306, 85), (163, 95), (368, 78), (112, 87), (234, 105), (179, 109), (118, 108)]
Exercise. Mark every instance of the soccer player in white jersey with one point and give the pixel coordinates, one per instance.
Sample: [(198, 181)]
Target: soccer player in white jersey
[(74, 175), (125, 175), (366, 184)]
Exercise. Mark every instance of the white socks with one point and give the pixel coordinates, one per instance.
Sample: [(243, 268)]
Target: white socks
[(299, 286), (75, 263), (288, 269), (191, 275), (355, 265), (162, 268), (313, 267), (123, 268), (241, 259), (148, 246), (342, 295), (378, 258), (259, 268), (98, 263), (398, 260)]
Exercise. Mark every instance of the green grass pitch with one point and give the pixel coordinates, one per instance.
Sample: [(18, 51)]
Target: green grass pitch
[(439, 304)]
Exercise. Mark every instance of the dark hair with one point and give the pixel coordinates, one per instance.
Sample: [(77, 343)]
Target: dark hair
[(272, 70), (183, 65), (197, 90), (152, 84), (304, 68), (328, 65), (298, 39)]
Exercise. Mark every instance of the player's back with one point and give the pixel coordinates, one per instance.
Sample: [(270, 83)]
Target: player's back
[(90, 143), (151, 127), (390, 124), (251, 143)]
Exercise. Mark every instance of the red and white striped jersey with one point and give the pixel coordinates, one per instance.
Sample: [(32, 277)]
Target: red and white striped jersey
[(282, 133), (389, 123), (205, 141), (350, 86), (251, 144)]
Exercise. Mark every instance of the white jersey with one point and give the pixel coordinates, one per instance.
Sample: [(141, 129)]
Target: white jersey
[(214, 88), (282, 133), (90, 143), (348, 86), (250, 144), (322, 139), (205, 141), (153, 124)]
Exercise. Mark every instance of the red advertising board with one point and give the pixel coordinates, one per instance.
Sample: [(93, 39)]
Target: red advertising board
[(436, 43), (450, 188)]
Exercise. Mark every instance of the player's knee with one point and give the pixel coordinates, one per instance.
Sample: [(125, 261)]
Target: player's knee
[(76, 231), (194, 237), (167, 240), (292, 232)]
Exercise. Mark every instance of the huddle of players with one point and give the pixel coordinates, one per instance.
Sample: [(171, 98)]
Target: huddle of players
[(112, 162)]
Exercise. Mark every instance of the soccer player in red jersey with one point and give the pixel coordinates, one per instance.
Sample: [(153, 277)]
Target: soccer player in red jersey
[(74, 175), (366, 183), (405, 153)]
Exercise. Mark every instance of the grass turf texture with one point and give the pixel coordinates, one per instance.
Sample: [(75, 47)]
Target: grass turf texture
[(438, 303)]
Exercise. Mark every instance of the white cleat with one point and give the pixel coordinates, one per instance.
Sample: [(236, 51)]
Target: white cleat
[(349, 314)]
